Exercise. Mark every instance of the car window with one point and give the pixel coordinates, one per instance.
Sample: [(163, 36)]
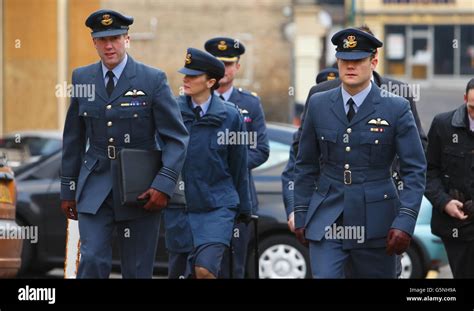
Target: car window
[(279, 154), (28, 150)]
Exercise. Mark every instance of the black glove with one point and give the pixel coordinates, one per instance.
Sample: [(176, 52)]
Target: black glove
[(468, 209), (245, 218)]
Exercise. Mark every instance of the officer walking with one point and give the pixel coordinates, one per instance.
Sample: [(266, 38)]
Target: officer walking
[(349, 140), (450, 183), (215, 172), (133, 104), (229, 51)]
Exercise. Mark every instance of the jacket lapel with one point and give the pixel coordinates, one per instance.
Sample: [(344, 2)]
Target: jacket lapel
[(124, 83), (367, 106), (338, 106), (98, 80)]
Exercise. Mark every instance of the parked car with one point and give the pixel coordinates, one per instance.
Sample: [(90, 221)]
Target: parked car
[(281, 255), (10, 232)]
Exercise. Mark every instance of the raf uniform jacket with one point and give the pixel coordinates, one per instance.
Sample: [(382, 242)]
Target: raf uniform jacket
[(140, 108), (215, 172), (345, 167), (288, 173), (254, 120), (379, 81), (450, 166)]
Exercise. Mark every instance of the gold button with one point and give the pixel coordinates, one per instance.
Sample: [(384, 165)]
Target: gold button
[(111, 140), (376, 141), (385, 196), (109, 123), (135, 115), (109, 106), (347, 166), (348, 149), (85, 113), (349, 130)]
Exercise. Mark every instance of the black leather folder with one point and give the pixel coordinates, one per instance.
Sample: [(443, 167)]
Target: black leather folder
[(137, 169)]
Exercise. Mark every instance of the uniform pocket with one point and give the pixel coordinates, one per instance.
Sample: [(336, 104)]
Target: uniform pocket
[(379, 146), (381, 207), (319, 195), (91, 115), (327, 140)]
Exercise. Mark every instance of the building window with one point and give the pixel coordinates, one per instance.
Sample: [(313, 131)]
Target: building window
[(443, 53), (395, 50), (467, 49)]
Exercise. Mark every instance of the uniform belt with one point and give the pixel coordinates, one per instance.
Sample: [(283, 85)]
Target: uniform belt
[(356, 175), (111, 151)]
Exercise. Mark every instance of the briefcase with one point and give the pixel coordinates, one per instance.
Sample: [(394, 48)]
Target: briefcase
[(137, 170)]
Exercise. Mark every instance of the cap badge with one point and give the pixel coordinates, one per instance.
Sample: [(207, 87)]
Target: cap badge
[(106, 20), (331, 76), (222, 46), (350, 42), (188, 59)]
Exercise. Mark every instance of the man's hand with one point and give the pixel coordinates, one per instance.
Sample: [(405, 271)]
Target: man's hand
[(300, 236), (397, 242), (291, 222), (156, 200), (69, 209), (454, 208)]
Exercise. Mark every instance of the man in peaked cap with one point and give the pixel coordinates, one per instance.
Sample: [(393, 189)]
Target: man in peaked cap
[(327, 74), (132, 108), (229, 51), (350, 137)]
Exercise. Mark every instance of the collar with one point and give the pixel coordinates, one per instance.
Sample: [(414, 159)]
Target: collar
[(226, 94), (204, 106), (459, 117), (471, 123), (216, 111), (358, 98), (117, 70)]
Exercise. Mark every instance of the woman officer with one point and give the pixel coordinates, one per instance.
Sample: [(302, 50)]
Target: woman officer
[(215, 171)]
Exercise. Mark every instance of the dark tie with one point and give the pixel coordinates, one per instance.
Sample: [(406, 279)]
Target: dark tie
[(222, 97), (197, 112), (351, 112), (110, 84)]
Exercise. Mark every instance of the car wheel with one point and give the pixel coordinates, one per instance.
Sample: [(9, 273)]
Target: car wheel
[(281, 257), (411, 264)]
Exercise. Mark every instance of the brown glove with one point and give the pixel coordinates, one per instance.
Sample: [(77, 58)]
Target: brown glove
[(156, 200), (397, 242), (300, 236), (69, 209)]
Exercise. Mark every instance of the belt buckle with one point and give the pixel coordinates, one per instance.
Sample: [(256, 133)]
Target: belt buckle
[(347, 177), (111, 152)]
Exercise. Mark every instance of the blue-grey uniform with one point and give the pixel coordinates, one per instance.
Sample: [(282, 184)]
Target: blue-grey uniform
[(140, 107), (343, 184), (215, 171), (229, 50)]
